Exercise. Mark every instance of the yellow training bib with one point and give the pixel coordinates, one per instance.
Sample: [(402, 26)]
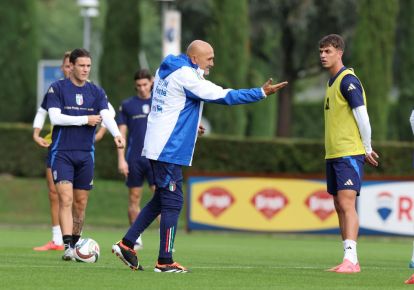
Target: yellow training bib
[(48, 137), (342, 136)]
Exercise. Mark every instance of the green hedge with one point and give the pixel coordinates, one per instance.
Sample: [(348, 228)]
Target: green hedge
[(22, 157)]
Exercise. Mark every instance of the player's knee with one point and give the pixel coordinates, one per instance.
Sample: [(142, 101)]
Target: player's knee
[(65, 201), (80, 203), (347, 206)]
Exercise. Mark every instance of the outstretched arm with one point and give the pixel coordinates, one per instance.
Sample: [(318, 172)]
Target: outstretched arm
[(198, 88)]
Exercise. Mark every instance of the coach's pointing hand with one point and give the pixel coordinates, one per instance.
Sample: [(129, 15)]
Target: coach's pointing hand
[(269, 89)]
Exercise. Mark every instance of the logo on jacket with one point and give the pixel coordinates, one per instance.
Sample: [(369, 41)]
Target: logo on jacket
[(79, 99), (384, 205), (157, 108), (269, 202)]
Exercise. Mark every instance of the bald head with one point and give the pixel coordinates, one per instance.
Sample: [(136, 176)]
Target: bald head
[(198, 46), (201, 53)]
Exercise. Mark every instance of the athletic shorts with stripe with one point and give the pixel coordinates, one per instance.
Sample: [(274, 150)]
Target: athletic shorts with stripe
[(345, 173), (74, 166)]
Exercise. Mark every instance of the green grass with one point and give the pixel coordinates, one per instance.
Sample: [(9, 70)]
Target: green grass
[(218, 260), (25, 201)]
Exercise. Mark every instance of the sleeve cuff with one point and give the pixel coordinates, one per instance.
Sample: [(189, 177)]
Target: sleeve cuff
[(263, 93)]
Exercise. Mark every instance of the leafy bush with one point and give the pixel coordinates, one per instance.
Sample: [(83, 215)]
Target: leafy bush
[(22, 157)]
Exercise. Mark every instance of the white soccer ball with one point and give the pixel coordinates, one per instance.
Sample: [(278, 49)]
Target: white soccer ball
[(87, 250)]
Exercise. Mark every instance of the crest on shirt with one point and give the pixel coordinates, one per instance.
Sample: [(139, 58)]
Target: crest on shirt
[(79, 99), (146, 109)]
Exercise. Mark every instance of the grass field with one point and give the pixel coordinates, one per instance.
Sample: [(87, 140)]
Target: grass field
[(25, 201), (217, 260)]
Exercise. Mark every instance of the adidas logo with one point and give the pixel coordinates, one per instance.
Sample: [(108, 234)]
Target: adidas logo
[(349, 182), (50, 90), (351, 87)]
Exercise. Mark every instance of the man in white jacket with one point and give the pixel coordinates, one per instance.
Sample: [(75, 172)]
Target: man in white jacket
[(179, 93)]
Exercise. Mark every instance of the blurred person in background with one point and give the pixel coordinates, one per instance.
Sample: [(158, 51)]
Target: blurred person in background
[(347, 144), (56, 243)]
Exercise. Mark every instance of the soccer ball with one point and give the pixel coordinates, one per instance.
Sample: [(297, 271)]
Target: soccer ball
[(86, 250)]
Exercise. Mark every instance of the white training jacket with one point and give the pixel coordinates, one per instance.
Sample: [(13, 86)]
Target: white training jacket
[(177, 103)]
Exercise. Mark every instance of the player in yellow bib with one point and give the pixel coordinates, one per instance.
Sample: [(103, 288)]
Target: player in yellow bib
[(347, 144)]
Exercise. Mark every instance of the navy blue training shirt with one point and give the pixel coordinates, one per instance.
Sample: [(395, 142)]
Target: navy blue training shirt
[(351, 89), (75, 101)]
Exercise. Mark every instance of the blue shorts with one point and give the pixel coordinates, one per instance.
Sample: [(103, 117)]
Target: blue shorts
[(345, 173), (74, 166), (139, 168)]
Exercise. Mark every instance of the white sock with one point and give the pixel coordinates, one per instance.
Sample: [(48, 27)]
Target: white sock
[(57, 235), (350, 251), (139, 240)]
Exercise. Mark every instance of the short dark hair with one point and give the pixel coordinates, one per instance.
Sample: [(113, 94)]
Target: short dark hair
[(78, 52), (142, 74), (332, 39)]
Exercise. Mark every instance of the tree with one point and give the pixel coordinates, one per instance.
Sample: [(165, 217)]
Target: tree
[(229, 36), (121, 45), (51, 14), (372, 57), (285, 36), (19, 52), (195, 16), (405, 68)]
